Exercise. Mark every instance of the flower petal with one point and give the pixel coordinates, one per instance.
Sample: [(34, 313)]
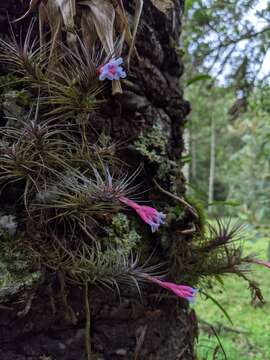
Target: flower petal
[(118, 61), (102, 76)]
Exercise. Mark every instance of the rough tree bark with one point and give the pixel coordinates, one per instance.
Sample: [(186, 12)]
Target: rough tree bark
[(130, 329), (212, 166)]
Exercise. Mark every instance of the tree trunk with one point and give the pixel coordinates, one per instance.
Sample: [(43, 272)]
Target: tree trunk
[(212, 166), (151, 328), (188, 147)]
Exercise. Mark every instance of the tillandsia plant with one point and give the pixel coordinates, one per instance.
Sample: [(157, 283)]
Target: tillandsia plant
[(68, 89), (100, 20), (217, 250)]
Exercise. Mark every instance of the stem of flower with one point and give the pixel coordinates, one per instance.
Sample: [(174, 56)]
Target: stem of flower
[(180, 199)]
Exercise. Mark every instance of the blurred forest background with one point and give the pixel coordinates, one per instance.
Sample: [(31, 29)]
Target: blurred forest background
[(226, 52)]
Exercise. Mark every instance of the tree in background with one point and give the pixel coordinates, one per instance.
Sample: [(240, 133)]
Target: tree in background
[(226, 47), (228, 38)]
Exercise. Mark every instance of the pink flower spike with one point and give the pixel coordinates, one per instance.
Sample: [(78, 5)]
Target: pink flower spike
[(261, 262), (183, 291), (148, 214)]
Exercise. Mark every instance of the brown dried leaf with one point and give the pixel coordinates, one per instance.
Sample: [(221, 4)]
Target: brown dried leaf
[(68, 11), (137, 17), (103, 16), (50, 14), (89, 33), (121, 21), (163, 5)]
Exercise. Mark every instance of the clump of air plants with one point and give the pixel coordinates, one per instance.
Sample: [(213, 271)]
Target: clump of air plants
[(88, 200), (32, 151), (85, 201), (213, 253), (101, 150), (90, 197), (215, 250), (79, 201), (67, 89), (101, 24)]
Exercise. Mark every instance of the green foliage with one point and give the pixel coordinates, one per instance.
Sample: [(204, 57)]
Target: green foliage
[(69, 200), (241, 183), (209, 104), (200, 77), (225, 41), (225, 313), (227, 38), (250, 164), (248, 338)]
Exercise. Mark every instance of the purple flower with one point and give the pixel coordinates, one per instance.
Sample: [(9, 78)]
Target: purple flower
[(148, 214), (183, 291), (112, 70)]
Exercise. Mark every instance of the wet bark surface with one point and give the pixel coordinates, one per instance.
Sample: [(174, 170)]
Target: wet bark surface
[(130, 329)]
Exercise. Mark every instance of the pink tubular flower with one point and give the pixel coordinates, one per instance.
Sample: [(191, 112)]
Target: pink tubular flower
[(261, 262), (148, 214), (183, 291)]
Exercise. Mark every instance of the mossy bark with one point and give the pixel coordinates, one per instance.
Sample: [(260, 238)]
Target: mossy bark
[(151, 105)]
